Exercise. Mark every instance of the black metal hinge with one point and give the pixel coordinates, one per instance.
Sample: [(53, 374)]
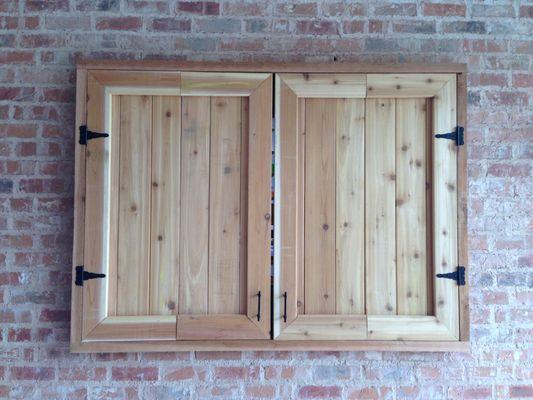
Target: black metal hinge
[(82, 275), (86, 134), (458, 135), (458, 276)]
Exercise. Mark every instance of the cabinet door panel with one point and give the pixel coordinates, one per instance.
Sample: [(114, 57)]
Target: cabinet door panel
[(169, 223), (365, 224)]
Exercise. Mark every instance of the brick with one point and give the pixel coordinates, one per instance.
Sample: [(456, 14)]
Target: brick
[(134, 373), (353, 26), (19, 335), (478, 27), (184, 373), (492, 10), (319, 392), (415, 27), (245, 9), (98, 5), (218, 355), (260, 392), (171, 25), (49, 315), (9, 6), (297, 9), (199, 7), (364, 394), (524, 391), (241, 44), (331, 372), (119, 23), (396, 9), (526, 11), (444, 10), (46, 5), (6, 185), (148, 6), (346, 9), (17, 57), (32, 373), (522, 80), (317, 27), (71, 22), (221, 25)]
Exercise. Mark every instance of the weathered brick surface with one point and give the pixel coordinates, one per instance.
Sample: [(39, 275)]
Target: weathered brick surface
[(40, 41)]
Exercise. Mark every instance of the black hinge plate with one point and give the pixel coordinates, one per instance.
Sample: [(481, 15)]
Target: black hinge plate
[(458, 275), (86, 135), (82, 275), (458, 135)]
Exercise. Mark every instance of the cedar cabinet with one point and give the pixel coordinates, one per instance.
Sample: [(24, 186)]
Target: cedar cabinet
[(196, 227)]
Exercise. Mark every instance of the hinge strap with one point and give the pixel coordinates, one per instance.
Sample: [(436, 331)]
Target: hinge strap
[(82, 275), (458, 135), (458, 276), (86, 135)]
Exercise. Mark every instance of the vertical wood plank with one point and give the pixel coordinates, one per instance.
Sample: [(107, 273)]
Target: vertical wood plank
[(243, 243), (114, 194), (194, 243), (259, 204), (224, 229), (165, 205), (320, 206), (288, 138), (430, 278), (445, 207), (411, 206), (134, 205), (380, 246), (350, 207), (462, 207), (97, 166), (300, 263), (76, 312)]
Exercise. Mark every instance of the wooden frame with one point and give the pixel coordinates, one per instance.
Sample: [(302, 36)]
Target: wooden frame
[(288, 266), (130, 343)]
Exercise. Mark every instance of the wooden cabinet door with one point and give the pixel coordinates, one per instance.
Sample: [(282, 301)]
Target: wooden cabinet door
[(367, 205), (176, 206)]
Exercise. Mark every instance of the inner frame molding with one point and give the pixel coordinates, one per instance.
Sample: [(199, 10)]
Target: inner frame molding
[(373, 81)]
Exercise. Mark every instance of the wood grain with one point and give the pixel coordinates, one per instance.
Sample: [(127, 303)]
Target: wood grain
[(224, 206), (266, 66), (134, 206), (165, 205), (220, 83), (411, 206), (326, 85), (445, 208), (300, 262), (405, 85), (326, 327), (131, 328), (350, 206), (97, 166), (76, 311), (320, 206), (217, 327), (462, 207), (259, 205), (194, 243), (288, 220), (407, 327), (380, 235), (127, 80)]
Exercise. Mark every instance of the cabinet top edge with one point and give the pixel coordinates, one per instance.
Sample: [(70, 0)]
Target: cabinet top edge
[(273, 67)]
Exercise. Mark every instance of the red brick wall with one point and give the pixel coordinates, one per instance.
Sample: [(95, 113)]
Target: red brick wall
[(39, 41)]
